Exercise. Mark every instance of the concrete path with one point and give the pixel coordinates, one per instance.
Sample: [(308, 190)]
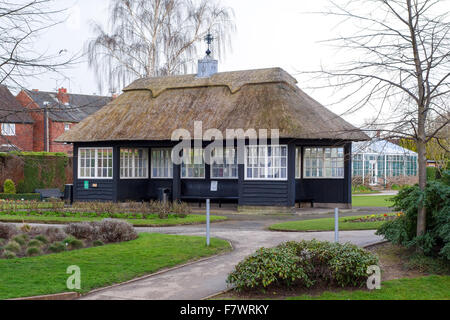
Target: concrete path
[(202, 279)]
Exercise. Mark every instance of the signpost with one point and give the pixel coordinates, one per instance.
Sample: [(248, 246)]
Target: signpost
[(207, 222)]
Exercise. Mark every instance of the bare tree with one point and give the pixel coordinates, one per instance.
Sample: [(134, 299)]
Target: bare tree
[(398, 63), (21, 22), (155, 37)]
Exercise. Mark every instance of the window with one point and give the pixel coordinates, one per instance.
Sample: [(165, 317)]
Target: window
[(266, 163), (162, 167), (323, 163), (66, 127), (298, 163), (133, 163), (226, 168), (8, 129), (95, 163), (191, 169)]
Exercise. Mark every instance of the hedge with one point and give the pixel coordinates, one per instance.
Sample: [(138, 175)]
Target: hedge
[(20, 196)]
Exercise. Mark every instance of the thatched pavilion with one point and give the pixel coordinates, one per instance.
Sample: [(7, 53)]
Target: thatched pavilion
[(123, 152)]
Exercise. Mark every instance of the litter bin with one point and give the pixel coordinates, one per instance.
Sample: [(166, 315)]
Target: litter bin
[(164, 194), (68, 193)]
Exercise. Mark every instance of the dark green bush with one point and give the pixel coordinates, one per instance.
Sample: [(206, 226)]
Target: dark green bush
[(76, 244), (98, 243), (20, 239), (57, 247), (42, 239), (20, 196), (9, 254), (403, 230), (33, 251), (431, 173), (9, 187), (12, 246), (35, 243), (305, 263)]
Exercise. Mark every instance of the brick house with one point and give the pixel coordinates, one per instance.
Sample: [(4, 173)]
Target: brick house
[(16, 124), (54, 113)]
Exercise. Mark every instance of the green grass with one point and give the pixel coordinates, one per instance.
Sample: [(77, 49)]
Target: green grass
[(326, 224), (152, 221), (424, 288), (101, 266), (372, 201)]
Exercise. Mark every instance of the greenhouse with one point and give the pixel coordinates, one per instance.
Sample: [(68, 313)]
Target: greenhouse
[(380, 162)]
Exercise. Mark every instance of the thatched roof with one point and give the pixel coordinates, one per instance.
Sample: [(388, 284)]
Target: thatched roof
[(11, 111), (152, 108)]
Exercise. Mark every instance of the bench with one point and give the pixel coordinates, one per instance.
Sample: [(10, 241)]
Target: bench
[(200, 198), (49, 193)]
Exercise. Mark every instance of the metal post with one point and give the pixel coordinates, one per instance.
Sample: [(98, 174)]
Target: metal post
[(207, 222), (336, 225)]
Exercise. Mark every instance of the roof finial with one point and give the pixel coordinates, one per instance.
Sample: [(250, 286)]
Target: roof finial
[(209, 39)]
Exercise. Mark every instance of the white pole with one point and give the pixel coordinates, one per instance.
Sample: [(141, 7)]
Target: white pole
[(207, 222), (336, 225)]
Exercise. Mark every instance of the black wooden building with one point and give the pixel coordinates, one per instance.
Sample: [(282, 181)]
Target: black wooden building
[(123, 152)]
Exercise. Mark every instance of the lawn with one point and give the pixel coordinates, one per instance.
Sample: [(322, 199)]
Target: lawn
[(372, 201), (423, 288), (326, 224), (151, 221), (102, 266)]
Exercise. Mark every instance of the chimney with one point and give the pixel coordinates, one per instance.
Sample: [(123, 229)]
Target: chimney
[(62, 96), (207, 66)]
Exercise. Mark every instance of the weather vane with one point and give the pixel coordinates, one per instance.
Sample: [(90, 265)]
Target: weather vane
[(209, 39)]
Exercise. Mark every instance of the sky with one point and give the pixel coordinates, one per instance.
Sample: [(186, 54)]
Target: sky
[(269, 33)]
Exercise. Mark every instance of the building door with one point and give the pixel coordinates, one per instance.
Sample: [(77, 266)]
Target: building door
[(373, 172)]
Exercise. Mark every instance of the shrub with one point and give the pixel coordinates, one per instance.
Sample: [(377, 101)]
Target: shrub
[(431, 173), (7, 231), (33, 251), (2, 242), (403, 230), (9, 187), (35, 243), (54, 234), (20, 196), (57, 247), (9, 254), (42, 239), (20, 239), (115, 231), (12, 246), (82, 231), (98, 243), (76, 244), (305, 263), (181, 209)]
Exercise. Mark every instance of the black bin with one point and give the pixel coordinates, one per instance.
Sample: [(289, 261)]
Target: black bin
[(68, 193), (164, 194)]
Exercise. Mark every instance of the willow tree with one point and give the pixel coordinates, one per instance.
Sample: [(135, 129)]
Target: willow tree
[(396, 61), (155, 37)]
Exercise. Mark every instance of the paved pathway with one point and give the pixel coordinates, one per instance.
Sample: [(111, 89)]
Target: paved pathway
[(202, 279)]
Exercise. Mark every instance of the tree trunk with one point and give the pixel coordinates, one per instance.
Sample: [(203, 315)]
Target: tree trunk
[(422, 213)]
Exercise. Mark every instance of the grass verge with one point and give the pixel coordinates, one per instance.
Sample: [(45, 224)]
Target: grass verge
[(423, 288), (102, 266), (326, 224), (372, 201), (152, 221)]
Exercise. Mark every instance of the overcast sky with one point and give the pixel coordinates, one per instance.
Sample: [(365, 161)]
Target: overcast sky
[(270, 33)]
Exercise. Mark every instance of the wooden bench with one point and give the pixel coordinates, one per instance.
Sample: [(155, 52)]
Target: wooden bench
[(200, 199), (50, 193)]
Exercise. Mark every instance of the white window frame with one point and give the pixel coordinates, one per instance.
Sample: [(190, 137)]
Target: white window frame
[(266, 162), (323, 167), (8, 129), (170, 176), (298, 162), (225, 165), (183, 164), (66, 127), (133, 164), (96, 164)]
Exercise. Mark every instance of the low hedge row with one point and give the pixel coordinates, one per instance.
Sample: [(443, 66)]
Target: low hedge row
[(20, 196), (304, 264)]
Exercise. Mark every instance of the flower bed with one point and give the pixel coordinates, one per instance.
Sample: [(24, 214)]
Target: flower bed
[(374, 218), (35, 241)]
